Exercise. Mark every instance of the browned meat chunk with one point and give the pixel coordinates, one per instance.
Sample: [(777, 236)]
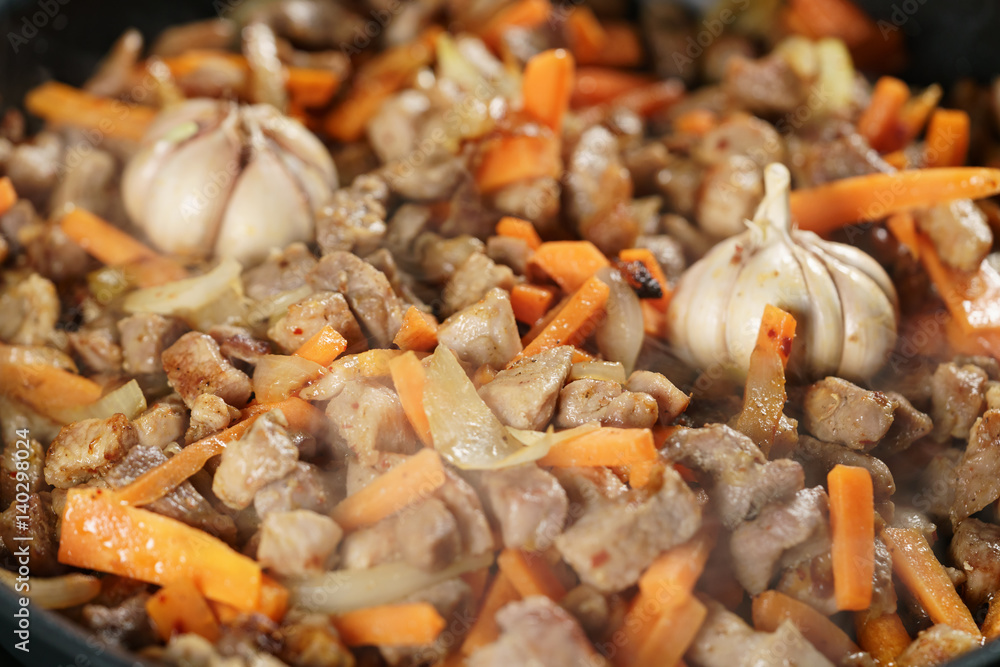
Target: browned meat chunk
[(528, 504), (425, 535), (97, 349), (281, 272), (811, 581), (741, 134), (368, 292), (88, 448), (209, 415), (473, 280), (439, 257), (34, 167), (743, 481), (534, 199), (836, 410), (669, 253), (463, 502), (977, 474), (308, 316), (239, 343), (264, 455), (610, 546), (957, 399), (536, 631), (765, 85), (509, 251), (959, 231), (29, 310), (908, 425), (369, 418), (937, 497), (936, 646), (161, 424), (825, 159), (305, 488), (371, 546), (590, 488), (758, 545), (32, 523), (818, 458), (729, 195), (483, 333), (144, 337), (355, 219), (124, 624), (313, 641), (670, 400), (975, 550), (604, 401), (440, 175), (524, 395), (22, 468), (298, 542), (195, 366)]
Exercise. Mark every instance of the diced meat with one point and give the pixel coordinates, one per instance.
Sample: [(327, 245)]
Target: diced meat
[(589, 488), (280, 272), (669, 254), (440, 257), (669, 399), (975, 549), (88, 448), (392, 130), (195, 366), (53, 254), (34, 167), (239, 343), (264, 455), (473, 280), (958, 230), (589, 607), (741, 134), (298, 542), (22, 469), (425, 535), (883, 590), (144, 337), (354, 220), (536, 631), (957, 398), (509, 251), (765, 85), (32, 523), (313, 641), (30, 310), (604, 401), (305, 488), (209, 415), (161, 424), (484, 332), (369, 418), (729, 195), (843, 155), (977, 474), (743, 481), (90, 182), (818, 458), (403, 284), (527, 503), (125, 624), (534, 199), (368, 292), (438, 177), (308, 316), (909, 517), (757, 545), (835, 410), (371, 546), (938, 485), (524, 395), (811, 581), (464, 504), (908, 425), (97, 349), (610, 546), (406, 224), (936, 646)]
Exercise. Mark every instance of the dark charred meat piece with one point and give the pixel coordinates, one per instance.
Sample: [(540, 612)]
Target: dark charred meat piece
[(125, 624)]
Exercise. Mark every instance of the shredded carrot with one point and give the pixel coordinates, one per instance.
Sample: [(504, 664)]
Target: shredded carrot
[(586, 36), (644, 101), (672, 633), (919, 569), (599, 85), (771, 609), (569, 263), (64, 105), (605, 446), (547, 86), (903, 228), (530, 574), (828, 207), (8, 196), (485, 631), (521, 14), (507, 159), (323, 346), (531, 302), (311, 87), (884, 637), (409, 624), (696, 121), (419, 331), (178, 608), (648, 260), (947, 140), (991, 624), (47, 390), (852, 524), (409, 482), (970, 297), (622, 47), (409, 378), (574, 322), (519, 229), (880, 123)]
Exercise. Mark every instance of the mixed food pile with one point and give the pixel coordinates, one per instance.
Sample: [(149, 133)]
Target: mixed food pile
[(561, 336)]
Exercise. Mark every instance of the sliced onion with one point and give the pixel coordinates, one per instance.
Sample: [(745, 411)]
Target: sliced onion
[(346, 590), (368, 364), (36, 354), (620, 334), (538, 443), (127, 399), (69, 590), (183, 297), (598, 370), (268, 310), (836, 74), (278, 376)]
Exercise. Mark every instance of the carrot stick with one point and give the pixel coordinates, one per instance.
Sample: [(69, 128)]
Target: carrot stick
[(99, 533), (605, 446), (569, 263), (641, 475), (698, 122), (947, 141), (517, 228), (645, 101), (598, 85), (410, 624), (917, 567), (884, 637), (991, 624), (8, 196), (771, 609), (970, 297), (547, 86), (311, 87), (64, 105), (178, 608), (654, 320), (102, 240), (47, 390), (409, 378), (521, 14), (672, 633), (574, 322), (828, 207), (622, 47), (419, 331), (531, 302), (648, 260), (323, 346), (530, 574), (485, 631), (507, 159), (880, 122), (852, 524), (411, 481), (898, 159), (586, 36), (903, 228), (916, 112)]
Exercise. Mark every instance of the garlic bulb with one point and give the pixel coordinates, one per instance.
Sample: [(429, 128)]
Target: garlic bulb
[(843, 301), (214, 178)]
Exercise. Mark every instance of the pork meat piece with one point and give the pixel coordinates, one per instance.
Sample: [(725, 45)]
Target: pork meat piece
[(470, 517), (669, 399), (958, 230), (978, 471), (311, 314), (280, 272), (731, 190), (590, 488), (765, 85), (835, 410), (165, 422), (88, 448), (195, 366), (425, 535), (97, 349), (818, 458), (840, 153), (811, 582), (509, 251), (144, 337), (354, 220), (32, 522), (371, 546), (264, 455), (305, 488), (312, 640), (239, 343), (209, 415), (908, 425), (937, 645), (474, 279), (610, 546), (527, 503), (957, 399), (534, 199), (584, 401), (440, 257), (124, 624), (369, 418), (937, 484), (483, 333), (298, 542), (741, 134), (975, 550), (29, 311), (524, 395)]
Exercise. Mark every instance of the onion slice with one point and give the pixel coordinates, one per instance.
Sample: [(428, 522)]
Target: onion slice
[(278, 376), (127, 399), (182, 297), (612, 371), (619, 336), (68, 590)]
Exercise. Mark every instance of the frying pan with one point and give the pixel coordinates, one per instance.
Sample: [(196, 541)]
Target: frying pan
[(65, 39)]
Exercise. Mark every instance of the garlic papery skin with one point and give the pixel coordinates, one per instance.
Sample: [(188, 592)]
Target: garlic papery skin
[(843, 301), (214, 178)]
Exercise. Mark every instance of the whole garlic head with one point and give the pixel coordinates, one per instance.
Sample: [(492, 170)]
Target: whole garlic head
[(214, 178), (843, 301)]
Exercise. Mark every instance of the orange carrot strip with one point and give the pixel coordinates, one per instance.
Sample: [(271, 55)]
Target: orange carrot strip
[(654, 320), (99, 533), (485, 631), (569, 263), (771, 609), (574, 322), (641, 475), (531, 302), (827, 207), (409, 378), (598, 85), (64, 105), (884, 637), (648, 260), (947, 140), (323, 346), (916, 112), (409, 482), (672, 633), (852, 524), (273, 599), (102, 240), (477, 580), (605, 446), (419, 331), (991, 624), (547, 86), (970, 297), (586, 36), (880, 123), (311, 87), (521, 14), (903, 228), (919, 569), (47, 390), (696, 121), (622, 47), (511, 158), (178, 608), (410, 624), (898, 159), (519, 229), (530, 574), (645, 101), (8, 196)]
